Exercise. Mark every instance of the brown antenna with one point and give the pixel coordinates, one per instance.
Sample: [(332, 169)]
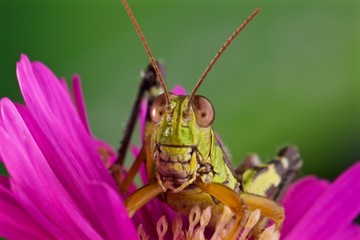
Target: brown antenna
[(222, 49), (147, 48)]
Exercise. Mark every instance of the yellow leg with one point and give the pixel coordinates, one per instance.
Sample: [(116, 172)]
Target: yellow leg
[(224, 194), (237, 202), (124, 185), (141, 196), (267, 207)]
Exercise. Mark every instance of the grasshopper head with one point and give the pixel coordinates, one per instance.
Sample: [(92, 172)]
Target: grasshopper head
[(181, 137)]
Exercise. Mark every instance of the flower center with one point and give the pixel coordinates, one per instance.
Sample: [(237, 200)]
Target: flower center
[(225, 228)]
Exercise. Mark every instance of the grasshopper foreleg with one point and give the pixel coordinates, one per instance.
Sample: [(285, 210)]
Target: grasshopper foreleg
[(124, 185), (141, 196)]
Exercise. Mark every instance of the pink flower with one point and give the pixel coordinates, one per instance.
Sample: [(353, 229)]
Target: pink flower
[(59, 188), (318, 209)]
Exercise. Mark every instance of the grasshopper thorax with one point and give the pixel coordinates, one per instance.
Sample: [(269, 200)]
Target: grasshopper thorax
[(180, 139)]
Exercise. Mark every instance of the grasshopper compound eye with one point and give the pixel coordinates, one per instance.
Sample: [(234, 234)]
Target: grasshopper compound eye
[(204, 111), (158, 108)]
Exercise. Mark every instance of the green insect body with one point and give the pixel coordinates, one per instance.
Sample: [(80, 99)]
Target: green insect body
[(184, 152), (187, 163)]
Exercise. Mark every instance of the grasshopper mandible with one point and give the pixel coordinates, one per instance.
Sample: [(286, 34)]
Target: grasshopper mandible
[(186, 161)]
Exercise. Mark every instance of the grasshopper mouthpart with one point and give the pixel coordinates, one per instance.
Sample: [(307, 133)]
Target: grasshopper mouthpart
[(174, 164)]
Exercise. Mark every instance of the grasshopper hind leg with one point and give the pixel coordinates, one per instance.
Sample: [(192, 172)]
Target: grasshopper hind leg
[(148, 83), (270, 180), (273, 178)]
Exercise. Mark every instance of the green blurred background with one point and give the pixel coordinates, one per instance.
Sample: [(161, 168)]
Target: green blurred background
[(292, 77)]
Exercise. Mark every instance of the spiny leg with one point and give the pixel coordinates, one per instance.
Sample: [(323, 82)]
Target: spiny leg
[(148, 84)]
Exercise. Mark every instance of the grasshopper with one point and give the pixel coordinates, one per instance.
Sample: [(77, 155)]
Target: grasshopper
[(186, 161)]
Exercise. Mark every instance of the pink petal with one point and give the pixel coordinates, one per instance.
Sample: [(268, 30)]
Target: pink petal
[(111, 212), (106, 151), (179, 90), (15, 223), (1, 126), (53, 162), (73, 182), (299, 199), (74, 159), (57, 118), (334, 211), (64, 84), (4, 181), (33, 181), (351, 232), (79, 102)]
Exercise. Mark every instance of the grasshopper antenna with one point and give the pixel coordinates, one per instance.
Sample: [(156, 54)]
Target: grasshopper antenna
[(218, 54), (131, 123), (147, 48)]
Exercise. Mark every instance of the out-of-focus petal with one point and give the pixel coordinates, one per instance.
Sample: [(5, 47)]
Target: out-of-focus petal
[(72, 157), (59, 186), (179, 90), (79, 101), (34, 183), (57, 118), (111, 212), (351, 232), (106, 152), (1, 126), (4, 181), (67, 172), (299, 199), (15, 223), (333, 211)]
